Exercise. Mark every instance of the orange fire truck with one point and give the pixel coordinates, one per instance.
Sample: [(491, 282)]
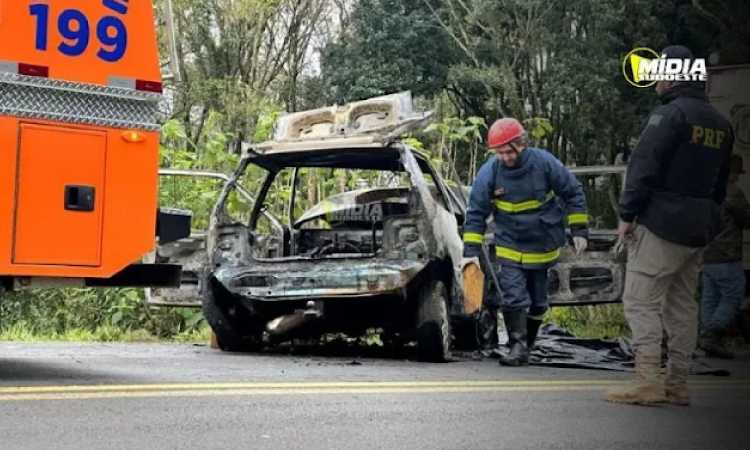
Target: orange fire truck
[(80, 85)]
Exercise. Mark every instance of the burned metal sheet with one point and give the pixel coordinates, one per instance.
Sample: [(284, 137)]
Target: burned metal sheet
[(594, 277), (369, 123), (319, 278), (191, 254)]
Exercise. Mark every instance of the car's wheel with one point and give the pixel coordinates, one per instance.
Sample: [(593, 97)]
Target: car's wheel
[(235, 330), (433, 324), (478, 332)]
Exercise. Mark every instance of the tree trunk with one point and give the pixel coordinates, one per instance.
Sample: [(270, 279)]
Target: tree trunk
[(311, 187)]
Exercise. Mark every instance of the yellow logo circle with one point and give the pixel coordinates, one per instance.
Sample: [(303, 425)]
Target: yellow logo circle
[(631, 63)]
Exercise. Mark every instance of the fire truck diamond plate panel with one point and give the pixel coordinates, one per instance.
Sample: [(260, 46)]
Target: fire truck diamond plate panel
[(44, 99)]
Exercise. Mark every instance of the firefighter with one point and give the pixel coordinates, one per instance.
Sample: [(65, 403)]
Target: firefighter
[(669, 211), (520, 186)]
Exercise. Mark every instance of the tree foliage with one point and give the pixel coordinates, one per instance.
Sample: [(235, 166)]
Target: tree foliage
[(387, 46)]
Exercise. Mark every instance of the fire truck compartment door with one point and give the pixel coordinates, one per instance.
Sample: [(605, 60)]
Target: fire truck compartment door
[(59, 196)]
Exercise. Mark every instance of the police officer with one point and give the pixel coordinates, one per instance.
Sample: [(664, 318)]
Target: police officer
[(520, 186), (669, 212)]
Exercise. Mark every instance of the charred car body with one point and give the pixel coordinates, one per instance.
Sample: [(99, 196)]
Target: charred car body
[(381, 251), (374, 257)]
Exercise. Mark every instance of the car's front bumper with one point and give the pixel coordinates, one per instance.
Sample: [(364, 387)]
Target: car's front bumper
[(319, 278)]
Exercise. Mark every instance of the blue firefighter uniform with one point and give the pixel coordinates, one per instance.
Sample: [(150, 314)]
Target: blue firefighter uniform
[(529, 222)]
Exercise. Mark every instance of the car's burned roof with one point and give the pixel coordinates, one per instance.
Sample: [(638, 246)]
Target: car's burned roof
[(373, 124)]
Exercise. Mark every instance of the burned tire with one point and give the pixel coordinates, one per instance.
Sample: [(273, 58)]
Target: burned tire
[(233, 326), (478, 332), (433, 323)]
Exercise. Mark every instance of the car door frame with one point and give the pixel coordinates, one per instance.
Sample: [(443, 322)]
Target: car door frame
[(190, 286)]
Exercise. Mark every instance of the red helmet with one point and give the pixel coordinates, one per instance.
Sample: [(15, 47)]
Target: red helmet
[(503, 131)]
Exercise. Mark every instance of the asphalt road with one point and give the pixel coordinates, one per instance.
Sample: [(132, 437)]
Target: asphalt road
[(145, 396)]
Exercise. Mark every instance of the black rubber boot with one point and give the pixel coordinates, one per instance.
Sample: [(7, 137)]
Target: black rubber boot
[(515, 321), (532, 326)]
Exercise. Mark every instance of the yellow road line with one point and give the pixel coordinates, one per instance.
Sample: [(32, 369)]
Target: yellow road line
[(281, 391), (81, 392), (331, 384), (300, 384), (50, 396)]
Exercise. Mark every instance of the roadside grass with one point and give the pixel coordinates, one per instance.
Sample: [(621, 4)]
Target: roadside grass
[(608, 322), (591, 322), (587, 322), (96, 315), (106, 333)]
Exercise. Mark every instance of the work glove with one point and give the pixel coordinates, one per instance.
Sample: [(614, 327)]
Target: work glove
[(580, 244)]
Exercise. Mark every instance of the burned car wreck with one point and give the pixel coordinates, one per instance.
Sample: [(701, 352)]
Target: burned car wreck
[(337, 225), (383, 256)]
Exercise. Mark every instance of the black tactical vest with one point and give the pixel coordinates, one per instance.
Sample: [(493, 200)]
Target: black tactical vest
[(684, 207)]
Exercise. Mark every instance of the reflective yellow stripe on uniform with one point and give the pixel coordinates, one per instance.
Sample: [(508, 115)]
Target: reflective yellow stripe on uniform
[(523, 206), (473, 238), (531, 258), (577, 219)]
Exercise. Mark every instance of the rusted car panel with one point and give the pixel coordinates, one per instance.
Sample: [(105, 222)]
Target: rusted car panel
[(320, 279), (191, 252), (371, 122), (595, 277)]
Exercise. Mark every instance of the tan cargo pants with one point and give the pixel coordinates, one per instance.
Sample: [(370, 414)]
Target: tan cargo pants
[(660, 284)]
